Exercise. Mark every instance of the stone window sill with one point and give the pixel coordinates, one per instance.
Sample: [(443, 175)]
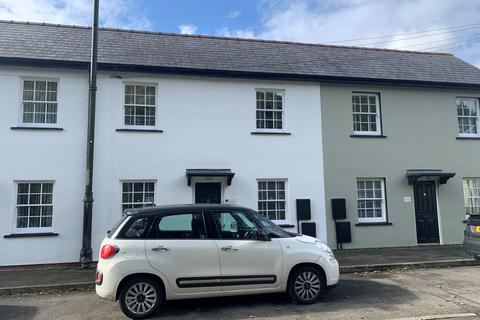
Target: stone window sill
[(31, 235), (367, 136), (279, 133), (366, 224), (286, 225), (138, 130), (468, 138), (37, 128)]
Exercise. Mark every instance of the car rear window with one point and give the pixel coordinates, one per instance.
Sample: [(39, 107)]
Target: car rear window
[(115, 227), (135, 228), (475, 220)]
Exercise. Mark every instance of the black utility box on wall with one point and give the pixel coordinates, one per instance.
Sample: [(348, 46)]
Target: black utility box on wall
[(303, 209), (339, 209), (309, 229), (344, 234)]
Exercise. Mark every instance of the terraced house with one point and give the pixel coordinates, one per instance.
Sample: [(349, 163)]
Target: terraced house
[(393, 134)]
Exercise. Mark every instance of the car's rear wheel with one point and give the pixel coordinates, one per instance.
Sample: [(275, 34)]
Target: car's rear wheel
[(140, 297), (306, 285)]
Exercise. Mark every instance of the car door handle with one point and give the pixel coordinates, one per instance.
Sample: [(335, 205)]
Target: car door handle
[(160, 249), (229, 249)]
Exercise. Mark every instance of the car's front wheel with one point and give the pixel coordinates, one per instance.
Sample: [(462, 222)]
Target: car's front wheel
[(306, 285), (140, 297)]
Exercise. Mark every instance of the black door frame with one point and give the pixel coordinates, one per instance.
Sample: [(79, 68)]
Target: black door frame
[(194, 189), (437, 211)]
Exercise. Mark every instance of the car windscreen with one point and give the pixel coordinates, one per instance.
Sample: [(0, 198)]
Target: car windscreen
[(271, 228)]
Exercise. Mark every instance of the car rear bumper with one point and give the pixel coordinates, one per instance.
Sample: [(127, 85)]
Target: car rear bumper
[(472, 247), (111, 276)]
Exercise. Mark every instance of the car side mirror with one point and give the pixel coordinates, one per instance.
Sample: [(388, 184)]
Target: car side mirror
[(263, 236)]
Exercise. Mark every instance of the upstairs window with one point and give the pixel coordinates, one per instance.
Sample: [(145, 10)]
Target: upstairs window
[(34, 206), (366, 114), (39, 102), (272, 199), (371, 200), (468, 117), (270, 110), (138, 194), (471, 193), (140, 105)]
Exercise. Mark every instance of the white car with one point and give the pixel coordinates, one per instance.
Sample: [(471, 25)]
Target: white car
[(198, 251)]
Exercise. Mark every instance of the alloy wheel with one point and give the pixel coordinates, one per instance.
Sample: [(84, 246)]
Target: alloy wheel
[(140, 298), (307, 285)]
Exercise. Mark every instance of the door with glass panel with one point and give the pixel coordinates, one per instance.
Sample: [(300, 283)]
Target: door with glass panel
[(246, 262), (178, 247)]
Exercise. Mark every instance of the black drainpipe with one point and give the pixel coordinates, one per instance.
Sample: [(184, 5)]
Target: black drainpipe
[(86, 252)]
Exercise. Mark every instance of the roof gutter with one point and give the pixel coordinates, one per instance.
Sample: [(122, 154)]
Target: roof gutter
[(115, 67)]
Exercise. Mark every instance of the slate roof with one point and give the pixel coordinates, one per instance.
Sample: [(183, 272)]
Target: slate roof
[(21, 42)]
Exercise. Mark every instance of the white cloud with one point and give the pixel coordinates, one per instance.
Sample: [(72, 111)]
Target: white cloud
[(328, 21), (113, 13), (234, 14), (237, 33), (187, 28)]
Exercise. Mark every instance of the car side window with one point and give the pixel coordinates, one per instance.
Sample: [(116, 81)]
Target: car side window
[(135, 229), (180, 226), (235, 225)]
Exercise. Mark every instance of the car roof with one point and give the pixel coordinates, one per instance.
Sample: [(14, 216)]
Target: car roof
[(179, 208)]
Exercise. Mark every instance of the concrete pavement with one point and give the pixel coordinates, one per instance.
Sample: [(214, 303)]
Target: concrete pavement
[(436, 293), (358, 260)]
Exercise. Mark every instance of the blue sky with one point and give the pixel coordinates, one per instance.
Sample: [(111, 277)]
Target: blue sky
[(210, 16), (433, 25)]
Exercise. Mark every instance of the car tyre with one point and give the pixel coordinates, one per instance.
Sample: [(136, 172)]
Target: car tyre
[(140, 297), (306, 285)]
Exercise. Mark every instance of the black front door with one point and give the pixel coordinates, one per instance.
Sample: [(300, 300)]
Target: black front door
[(426, 212), (208, 192)]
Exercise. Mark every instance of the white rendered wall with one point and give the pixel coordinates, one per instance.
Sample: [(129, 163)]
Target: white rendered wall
[(207, 123), (43, 155)]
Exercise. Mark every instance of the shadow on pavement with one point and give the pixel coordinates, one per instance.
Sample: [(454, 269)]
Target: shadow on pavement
[(17, 312), (350, 294)]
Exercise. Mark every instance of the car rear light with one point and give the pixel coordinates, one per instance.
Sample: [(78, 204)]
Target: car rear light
[(108, 251), (474, 229), (99, 278)]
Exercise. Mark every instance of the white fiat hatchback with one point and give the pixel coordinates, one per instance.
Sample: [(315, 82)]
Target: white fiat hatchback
[(197, 251)]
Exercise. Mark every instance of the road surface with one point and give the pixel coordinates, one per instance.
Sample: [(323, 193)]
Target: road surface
[(452, 293)]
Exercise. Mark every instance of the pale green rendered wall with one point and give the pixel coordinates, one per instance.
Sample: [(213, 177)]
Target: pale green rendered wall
[(421, 129)]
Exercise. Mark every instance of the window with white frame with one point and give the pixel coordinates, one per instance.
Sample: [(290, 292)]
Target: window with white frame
[(366, 114), (270, 108), (272, 201), (39, 103), (371, 200), (471, 193), (468, 116), (138, 194), (140, 105), (34, 206)]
